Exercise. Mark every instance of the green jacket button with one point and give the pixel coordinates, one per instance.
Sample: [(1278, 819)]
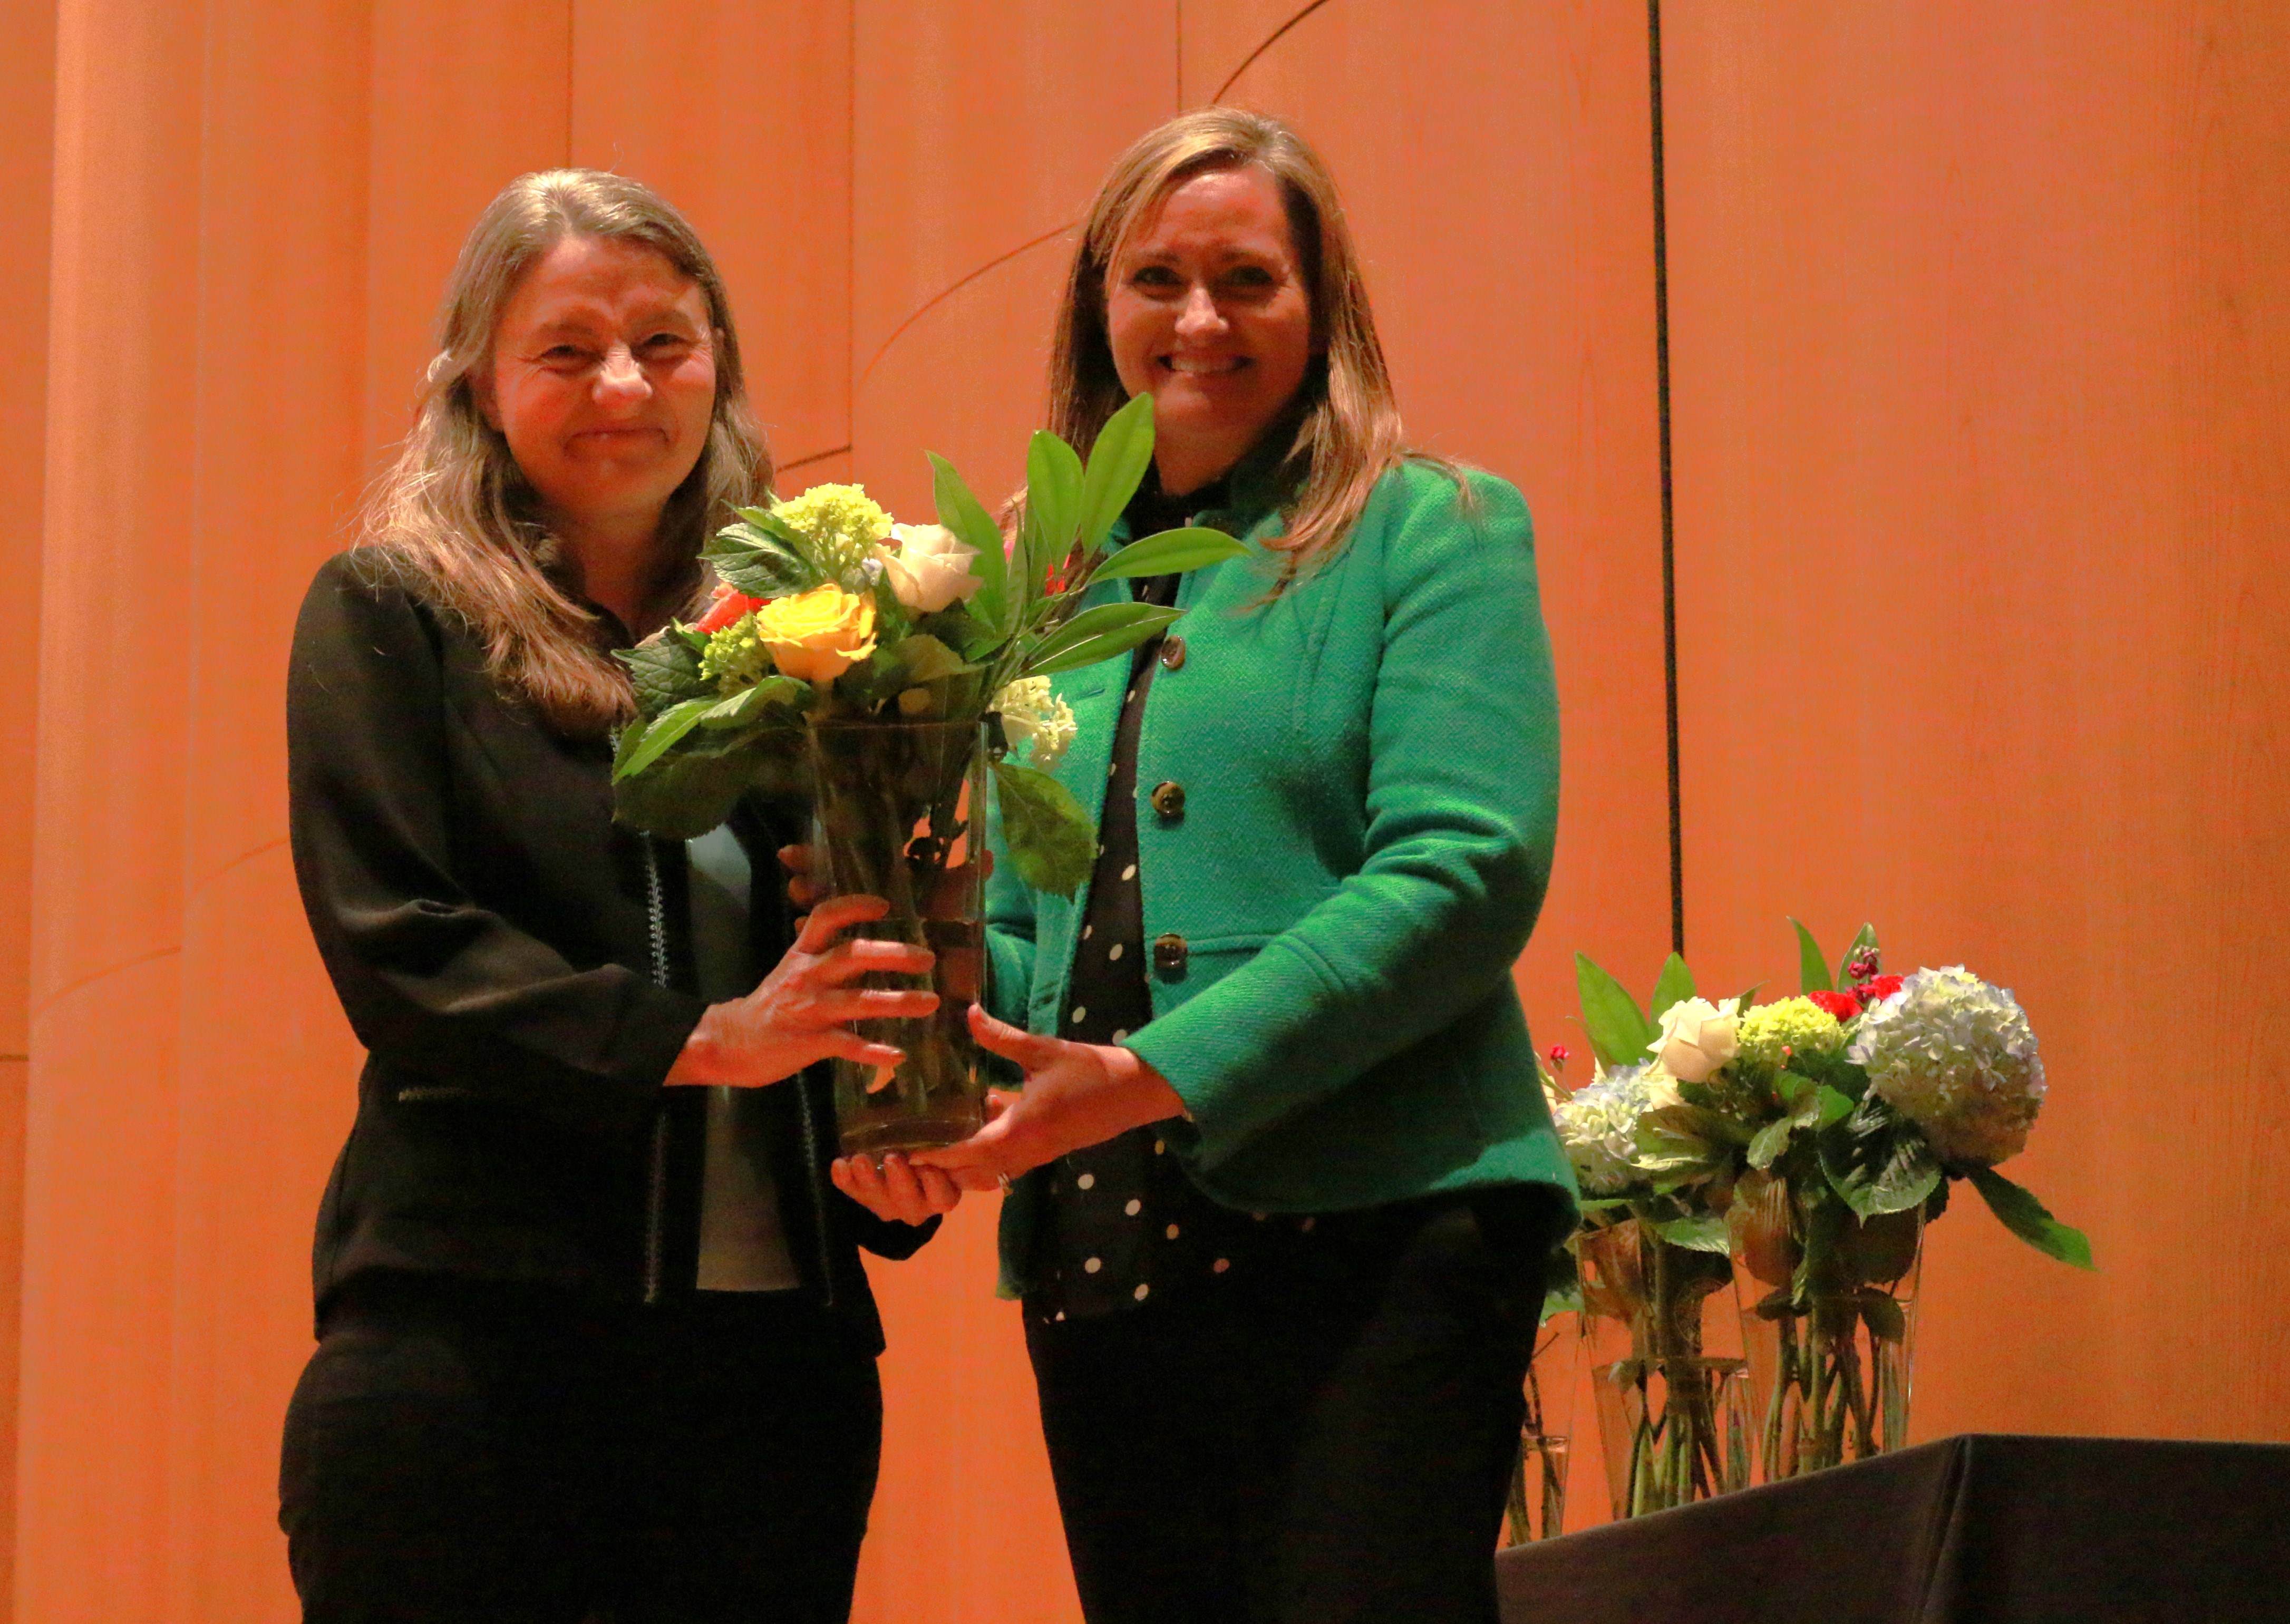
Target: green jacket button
[(1169, 954), (1173, 654), (1169, 800)]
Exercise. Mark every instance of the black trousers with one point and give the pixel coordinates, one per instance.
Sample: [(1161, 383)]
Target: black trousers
[(1324, 1439), (458, 1452)]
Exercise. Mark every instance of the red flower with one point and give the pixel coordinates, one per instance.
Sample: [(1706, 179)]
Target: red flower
[(730, 605), (1880, 988), (1844, 1005), (1559, 1055)]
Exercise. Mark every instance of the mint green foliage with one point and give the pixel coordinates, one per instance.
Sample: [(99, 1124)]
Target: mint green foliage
[(713, 717), (735, 656)]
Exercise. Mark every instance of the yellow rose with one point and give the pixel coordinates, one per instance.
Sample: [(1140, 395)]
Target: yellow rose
[(818, 635)]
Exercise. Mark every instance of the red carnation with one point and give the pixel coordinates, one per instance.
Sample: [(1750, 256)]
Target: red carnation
[(1844, 1005), (730, 605), (1879, 988)]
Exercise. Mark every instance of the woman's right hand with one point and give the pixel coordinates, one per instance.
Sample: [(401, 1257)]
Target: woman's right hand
[(798, 1014)]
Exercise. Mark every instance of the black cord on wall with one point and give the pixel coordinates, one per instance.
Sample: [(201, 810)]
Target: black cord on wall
[(1669, 550)]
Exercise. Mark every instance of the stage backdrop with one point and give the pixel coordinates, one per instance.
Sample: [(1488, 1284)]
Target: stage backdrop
[(1980, 350)]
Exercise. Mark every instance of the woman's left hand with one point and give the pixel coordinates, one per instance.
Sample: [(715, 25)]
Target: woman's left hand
[(896, 1189), (1075, 1095)]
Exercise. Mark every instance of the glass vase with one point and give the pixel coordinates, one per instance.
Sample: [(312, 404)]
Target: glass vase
[(894, 808), (1535, 1509), (1663, 1334), (1830, 1321)]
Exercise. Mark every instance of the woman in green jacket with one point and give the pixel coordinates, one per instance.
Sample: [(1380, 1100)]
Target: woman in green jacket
[(1285, 1184)]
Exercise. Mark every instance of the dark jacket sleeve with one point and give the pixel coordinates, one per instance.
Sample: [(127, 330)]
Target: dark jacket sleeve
[(432, 981), (885, 1237)]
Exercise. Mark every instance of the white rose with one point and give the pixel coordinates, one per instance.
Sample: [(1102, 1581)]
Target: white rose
[(1697, 1038), (929, 569)]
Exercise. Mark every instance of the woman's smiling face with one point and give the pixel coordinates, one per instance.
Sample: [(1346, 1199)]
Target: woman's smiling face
[(1207, 310), (603, 380)]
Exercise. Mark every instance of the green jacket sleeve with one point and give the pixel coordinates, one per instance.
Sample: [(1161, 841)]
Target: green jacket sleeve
[(1462, 812)]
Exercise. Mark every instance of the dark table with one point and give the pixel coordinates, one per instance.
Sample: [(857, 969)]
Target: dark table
[(1972, 1530)]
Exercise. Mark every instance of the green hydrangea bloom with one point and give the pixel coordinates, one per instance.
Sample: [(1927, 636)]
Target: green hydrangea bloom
[(840, 522), (1771, 1032), (735, 658)]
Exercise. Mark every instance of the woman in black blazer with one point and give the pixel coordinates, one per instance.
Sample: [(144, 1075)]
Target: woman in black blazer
[(593, 1331)]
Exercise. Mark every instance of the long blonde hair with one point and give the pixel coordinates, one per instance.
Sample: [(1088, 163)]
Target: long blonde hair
[(1346, 429), (456, 516)]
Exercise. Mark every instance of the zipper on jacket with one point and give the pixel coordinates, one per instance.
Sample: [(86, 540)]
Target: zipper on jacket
[(818, 1194), (656, 1202)]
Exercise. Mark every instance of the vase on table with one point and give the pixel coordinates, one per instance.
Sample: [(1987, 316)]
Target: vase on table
[(1535, 1507), (1661, 1332), (897, 813), (1830, 1319)]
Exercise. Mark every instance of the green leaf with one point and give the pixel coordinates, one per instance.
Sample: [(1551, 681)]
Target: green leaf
[(1170, 552), (1867, 938), (1702, 1232), (1097, 633), (924, 659), (670, 725), (664, 671), (1835, 1106), (1673, 986), (1619, 1030), (748, 704), (1771, 1140), (1886, 1323), (1877, 1161), (965, 516), (1054, 480), (761, 556), (1117, 463), (685, 795), (1044, 829), (2029, 1219), (1813, 967)]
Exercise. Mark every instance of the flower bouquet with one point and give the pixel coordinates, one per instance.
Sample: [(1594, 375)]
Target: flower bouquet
[(1659, 1325), (1838, 1119), (888, 670)]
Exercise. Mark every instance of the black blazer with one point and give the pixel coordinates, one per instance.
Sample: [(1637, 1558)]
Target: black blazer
[(493, 934)]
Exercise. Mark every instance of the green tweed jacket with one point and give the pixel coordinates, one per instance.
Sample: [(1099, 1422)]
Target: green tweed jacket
[(1369, 766)]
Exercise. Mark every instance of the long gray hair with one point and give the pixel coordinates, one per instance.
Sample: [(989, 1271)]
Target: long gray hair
[(456, 515)]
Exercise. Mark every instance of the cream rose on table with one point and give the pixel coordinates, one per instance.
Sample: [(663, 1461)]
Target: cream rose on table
[(928, 567), (1697, 1038)]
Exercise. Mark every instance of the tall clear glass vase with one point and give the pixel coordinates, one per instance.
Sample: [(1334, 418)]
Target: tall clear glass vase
[(1663, 1334), (896, 811), (1535, 1507), (1829, 1317)]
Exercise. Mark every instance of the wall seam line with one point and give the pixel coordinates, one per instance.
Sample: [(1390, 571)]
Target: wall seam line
[(1669, 509), (1270, 40)]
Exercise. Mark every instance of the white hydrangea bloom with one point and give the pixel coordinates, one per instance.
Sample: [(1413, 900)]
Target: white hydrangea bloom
[(1957, 1057), (1600, 1127), (1032, 715)]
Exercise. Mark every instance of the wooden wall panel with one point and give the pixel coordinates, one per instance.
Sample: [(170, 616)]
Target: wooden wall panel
[(981, 125), (756, 149), (1980, 349), (286, 115), (462, 97), (99, 1153), (27, 146)]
